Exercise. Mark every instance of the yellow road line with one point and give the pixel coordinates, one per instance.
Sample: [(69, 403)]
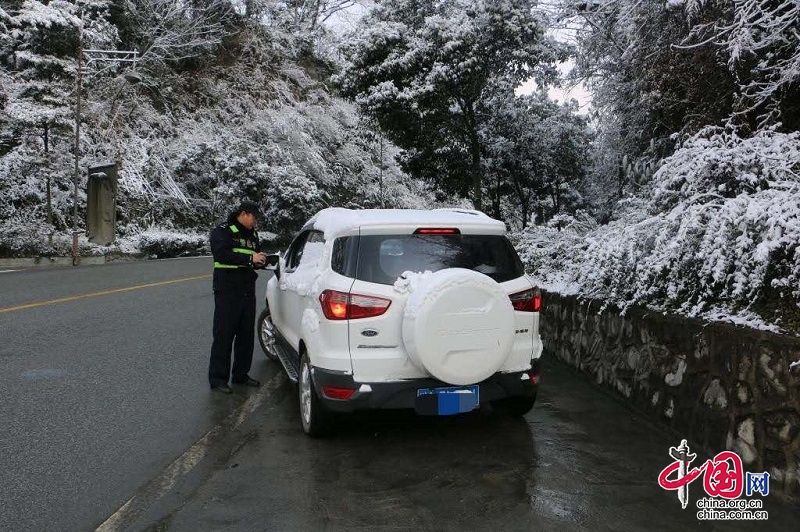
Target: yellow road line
[(102, 293)]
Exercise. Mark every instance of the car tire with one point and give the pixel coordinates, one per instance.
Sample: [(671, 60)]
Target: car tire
[(517, 406), (314, 418), (266, 334)]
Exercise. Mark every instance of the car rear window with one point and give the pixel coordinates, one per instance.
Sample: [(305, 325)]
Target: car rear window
[(383, 258)]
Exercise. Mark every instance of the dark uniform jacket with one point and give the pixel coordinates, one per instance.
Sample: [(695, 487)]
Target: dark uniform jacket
[(233, 246)]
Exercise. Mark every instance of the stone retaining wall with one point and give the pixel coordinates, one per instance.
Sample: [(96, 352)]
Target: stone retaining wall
[(718, 385)]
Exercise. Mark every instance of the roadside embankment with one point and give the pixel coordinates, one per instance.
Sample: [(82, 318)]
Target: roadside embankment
[(21, 263), (721, 386), (34, 262)]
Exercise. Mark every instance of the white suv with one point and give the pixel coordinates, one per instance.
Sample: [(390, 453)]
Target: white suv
[(391, 308)]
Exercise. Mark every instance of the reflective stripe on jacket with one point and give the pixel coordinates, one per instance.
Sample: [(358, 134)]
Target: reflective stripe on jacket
[(230, 245)]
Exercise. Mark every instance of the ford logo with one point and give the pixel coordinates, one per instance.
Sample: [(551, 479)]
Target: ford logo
[(369, 333)]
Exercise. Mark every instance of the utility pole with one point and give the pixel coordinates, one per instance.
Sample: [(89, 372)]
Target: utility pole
[(115, 56), (381, 171), (77, 176), (46, 165)]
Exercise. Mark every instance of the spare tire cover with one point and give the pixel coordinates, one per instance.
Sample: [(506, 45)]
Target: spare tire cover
[(458, 325)]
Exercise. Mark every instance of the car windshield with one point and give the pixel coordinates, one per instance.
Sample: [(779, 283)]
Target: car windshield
[(383, 258)]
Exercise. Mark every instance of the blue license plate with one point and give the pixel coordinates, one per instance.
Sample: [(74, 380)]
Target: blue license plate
[(447, 401)]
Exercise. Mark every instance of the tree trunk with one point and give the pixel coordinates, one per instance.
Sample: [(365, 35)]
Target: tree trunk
[(496, 200), (524, 214), (477, 173), (46, 139), (556, 195)]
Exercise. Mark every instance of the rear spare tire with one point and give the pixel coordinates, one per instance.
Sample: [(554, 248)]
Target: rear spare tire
[(458, 325)]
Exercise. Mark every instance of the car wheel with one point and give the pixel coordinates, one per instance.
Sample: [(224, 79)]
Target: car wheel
[(517, 406), (314, 418), (266, 334)]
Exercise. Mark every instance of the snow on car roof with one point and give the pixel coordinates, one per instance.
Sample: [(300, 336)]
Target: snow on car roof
[(336, 221)]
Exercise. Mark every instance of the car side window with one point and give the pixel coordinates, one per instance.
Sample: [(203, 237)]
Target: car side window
[(312, 249), (343, 256), (338, 255), (295, 251)]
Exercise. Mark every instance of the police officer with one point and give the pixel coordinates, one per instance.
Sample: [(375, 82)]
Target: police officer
[(235, 248)]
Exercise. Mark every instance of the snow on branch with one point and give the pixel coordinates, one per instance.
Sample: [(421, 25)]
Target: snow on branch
[(311, 14), (762, 42), (56, 13), (718, 239), (173, 30)]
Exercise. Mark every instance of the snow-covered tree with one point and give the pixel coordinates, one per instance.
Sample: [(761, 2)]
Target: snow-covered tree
[(424, 69), (217, 116), (536, 156), (761, 43), (645, 86), (41, 51), (311, 14), (657, 68), (167, 32), (39, 56)]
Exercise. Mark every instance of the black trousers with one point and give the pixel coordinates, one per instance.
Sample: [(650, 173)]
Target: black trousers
[(234, 324)]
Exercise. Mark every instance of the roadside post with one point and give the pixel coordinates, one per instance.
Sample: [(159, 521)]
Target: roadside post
[(112, 56)]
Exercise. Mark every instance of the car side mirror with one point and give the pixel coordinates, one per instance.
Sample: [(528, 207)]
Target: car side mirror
[(272, 260), (274, 263)]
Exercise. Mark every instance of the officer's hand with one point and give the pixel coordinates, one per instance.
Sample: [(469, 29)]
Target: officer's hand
[(259, 259)]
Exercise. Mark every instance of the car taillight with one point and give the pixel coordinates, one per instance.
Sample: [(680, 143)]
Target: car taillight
[(343, 306), (334, 304), (527, 301), (437, 231), (332, 392)]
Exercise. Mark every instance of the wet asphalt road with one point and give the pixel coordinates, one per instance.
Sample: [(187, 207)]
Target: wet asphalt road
[(108, 422), (579, 461), (99, 393)]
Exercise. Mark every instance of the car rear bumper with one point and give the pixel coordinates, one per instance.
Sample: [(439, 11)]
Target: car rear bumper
[(403, 394)]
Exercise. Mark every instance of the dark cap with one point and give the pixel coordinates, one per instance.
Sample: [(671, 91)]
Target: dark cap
[(250, 207)]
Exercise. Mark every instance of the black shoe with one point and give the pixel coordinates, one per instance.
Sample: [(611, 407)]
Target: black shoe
[(248, 381), (221, 388)]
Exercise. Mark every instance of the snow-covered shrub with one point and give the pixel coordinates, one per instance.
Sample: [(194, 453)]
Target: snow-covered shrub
[(720, 234), (735, 205), (23, 202), (547, 251), (293, 159), (23, 240), (716, 164), (161, 243)]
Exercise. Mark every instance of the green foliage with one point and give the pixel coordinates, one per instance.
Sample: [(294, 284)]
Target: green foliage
[(425, 70), (536, 155)]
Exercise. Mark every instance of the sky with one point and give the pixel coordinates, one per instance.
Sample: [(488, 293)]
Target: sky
[(561, 95)]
